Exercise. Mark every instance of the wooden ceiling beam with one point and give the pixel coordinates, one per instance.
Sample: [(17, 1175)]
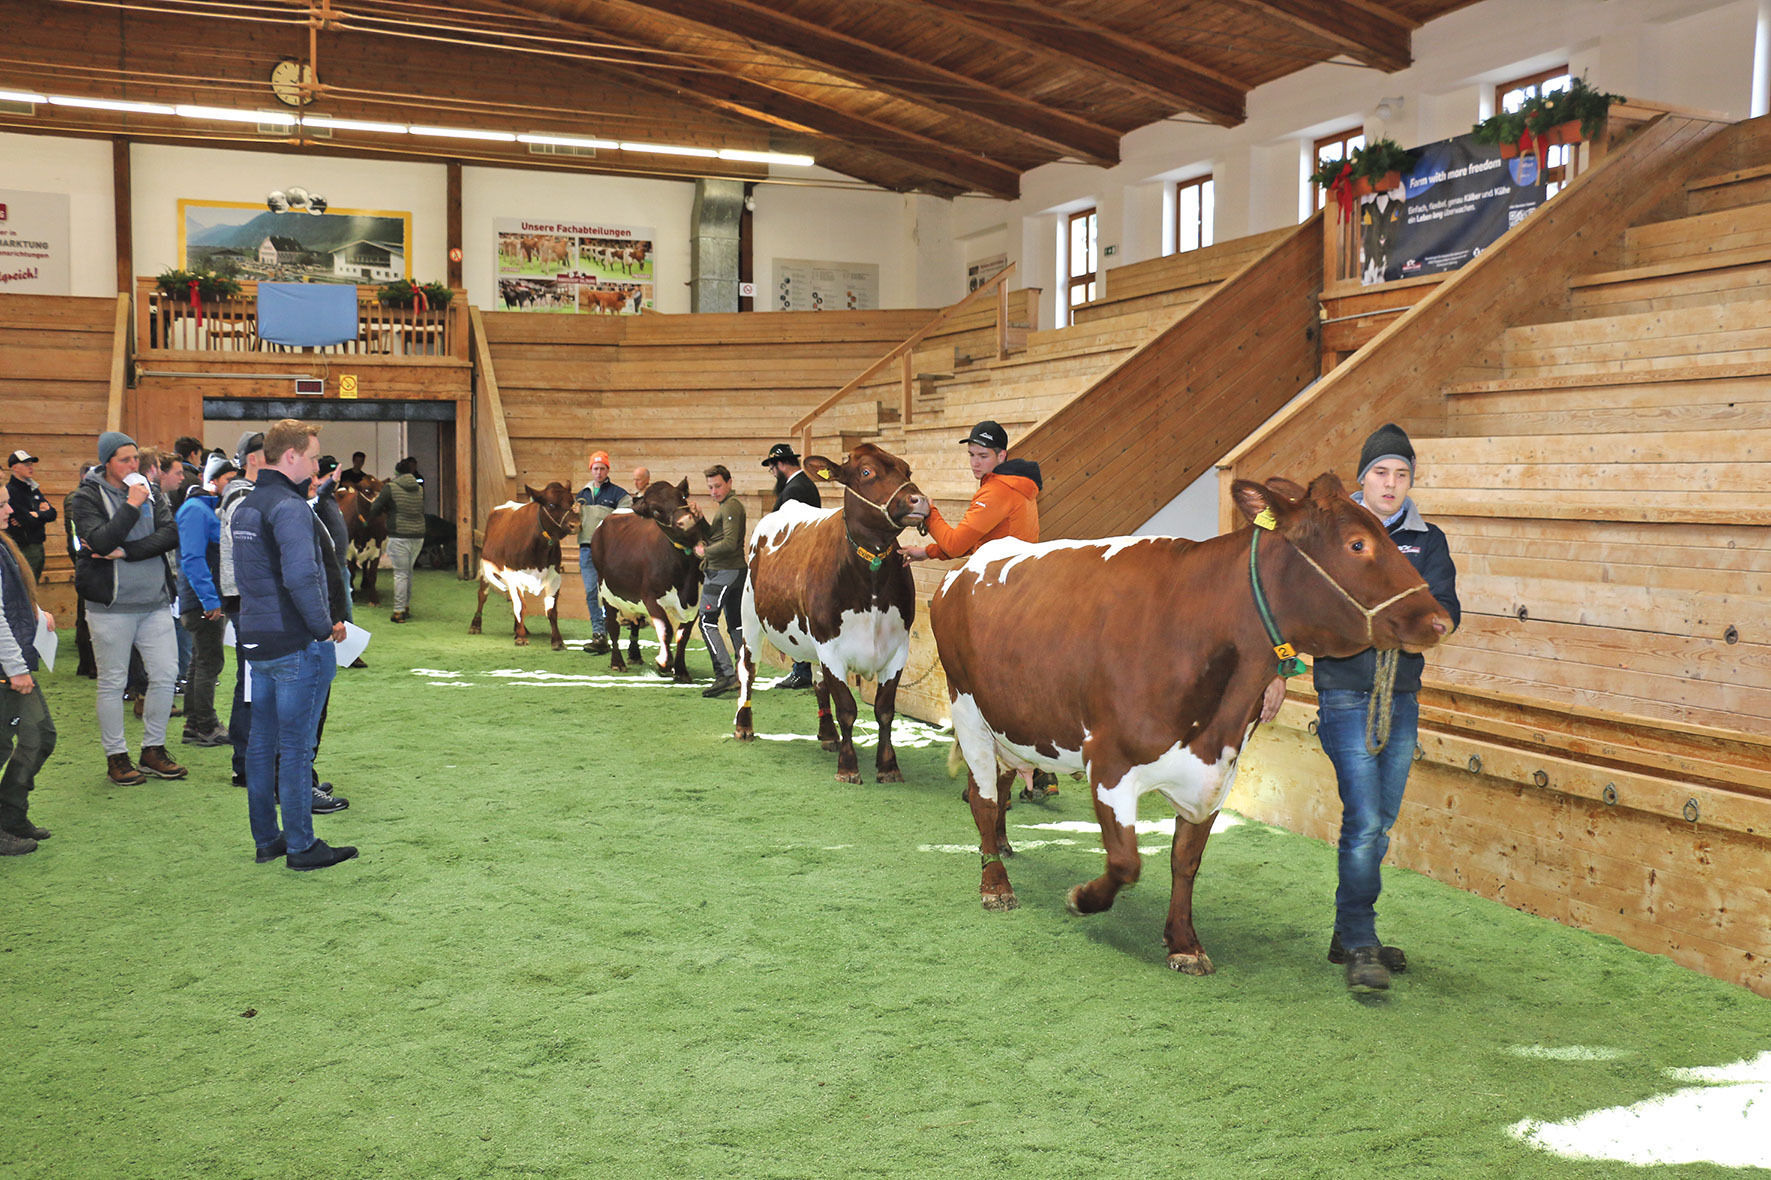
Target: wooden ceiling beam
[(908, 78), (1069, 41), (1364, 31)]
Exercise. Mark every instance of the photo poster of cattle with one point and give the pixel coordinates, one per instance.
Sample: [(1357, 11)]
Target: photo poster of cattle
[(1459, 197), (566, 266), (804, 285), (241, 241)]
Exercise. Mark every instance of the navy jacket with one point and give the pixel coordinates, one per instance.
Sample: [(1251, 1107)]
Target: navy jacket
[(28, 501), (1424, 546), (19, 619), (280, 567)]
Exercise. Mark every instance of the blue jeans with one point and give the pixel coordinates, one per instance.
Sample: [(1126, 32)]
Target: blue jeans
[(587, 571), (287, 693), (1371, 795)]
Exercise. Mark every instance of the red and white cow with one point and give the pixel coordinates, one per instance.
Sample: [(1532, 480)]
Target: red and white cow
[(521, 555), (647, 569), (829, 585), (1142, 661)]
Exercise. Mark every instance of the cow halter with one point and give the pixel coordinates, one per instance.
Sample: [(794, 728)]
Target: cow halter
[(874, 560), (558, 522)]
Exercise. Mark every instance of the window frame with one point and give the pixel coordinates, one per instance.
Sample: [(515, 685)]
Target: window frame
[(1203, 224), (1088, 280), (1345, 140)]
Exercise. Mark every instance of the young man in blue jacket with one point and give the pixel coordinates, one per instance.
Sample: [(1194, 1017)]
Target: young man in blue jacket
[(287, 635), (199, 599)]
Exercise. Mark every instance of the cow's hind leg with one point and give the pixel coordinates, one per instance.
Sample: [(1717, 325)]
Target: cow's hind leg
[(633, 637), (516, 608), (826, 724), (553, 620), (613, 621), (885, 707), (987, 794), (473, 628), (1119, 839), (742, 727), (1184, 952), (848, 766)]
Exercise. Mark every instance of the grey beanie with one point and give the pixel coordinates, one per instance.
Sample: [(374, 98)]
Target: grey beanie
[(1388, 441), (110, 442)]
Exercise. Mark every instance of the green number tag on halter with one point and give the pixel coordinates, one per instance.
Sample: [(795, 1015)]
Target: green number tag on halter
[(1289, 662)]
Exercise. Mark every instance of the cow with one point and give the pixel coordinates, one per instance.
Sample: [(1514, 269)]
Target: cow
[(368, 535), (829, 584), (521, 555), (647, 569), (1142, 661)]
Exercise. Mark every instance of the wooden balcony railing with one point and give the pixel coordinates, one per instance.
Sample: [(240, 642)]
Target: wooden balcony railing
[(166, 324)]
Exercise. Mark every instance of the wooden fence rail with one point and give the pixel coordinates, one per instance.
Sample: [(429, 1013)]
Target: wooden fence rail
[(174, 324)]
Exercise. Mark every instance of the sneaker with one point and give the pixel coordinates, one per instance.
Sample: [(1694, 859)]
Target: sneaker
[(721, 686), (598, 646), (795, 680), (325, 802), (178, 687), (322, 855), (123, 772), (398, 616), (1390, 956), (26, 830), (215, 737), (239, 780), (11, 845), (1365, 971), (272, 851), (155, 761)]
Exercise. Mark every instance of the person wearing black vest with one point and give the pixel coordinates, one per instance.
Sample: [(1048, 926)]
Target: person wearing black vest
[(27, 735), (792, 486), (31, 510)]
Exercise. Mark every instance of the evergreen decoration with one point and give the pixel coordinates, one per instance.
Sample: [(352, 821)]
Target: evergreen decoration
[(405, 293)]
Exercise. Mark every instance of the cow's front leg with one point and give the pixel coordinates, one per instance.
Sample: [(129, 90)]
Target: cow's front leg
[(1184, 952), (680, 665), (553, 620), (885, 706), (1116, 807), (516, 608), (473, 628), (662, 629), (633, 636), (848, 767), (742, 727), (826, 725), (613, 622)]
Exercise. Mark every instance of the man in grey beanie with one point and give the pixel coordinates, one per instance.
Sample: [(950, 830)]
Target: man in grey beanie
[(124, 540)]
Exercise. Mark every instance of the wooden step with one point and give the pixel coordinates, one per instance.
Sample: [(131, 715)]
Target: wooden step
[(1728, 190), (1720, 232), (1685, 282), (1679, 339)]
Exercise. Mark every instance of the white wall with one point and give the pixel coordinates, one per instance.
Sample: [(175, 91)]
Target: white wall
[(910, 239), (80, 168)]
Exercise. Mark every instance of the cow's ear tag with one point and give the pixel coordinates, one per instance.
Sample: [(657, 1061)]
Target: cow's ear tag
[(824, 473), (1266, 520)]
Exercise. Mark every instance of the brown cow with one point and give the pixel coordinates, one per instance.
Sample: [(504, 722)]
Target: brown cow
[(829, 584), (521, 554), (647, 569), (1142, 660), (368, 535)]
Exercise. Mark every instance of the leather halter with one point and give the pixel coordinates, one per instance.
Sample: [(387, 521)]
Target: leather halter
[(557, 522)]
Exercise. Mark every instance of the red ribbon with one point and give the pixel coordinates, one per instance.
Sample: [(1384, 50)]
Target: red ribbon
[(1341, 188), (197, 302), (419, 301)]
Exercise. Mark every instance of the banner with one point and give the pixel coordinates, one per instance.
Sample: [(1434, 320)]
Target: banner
[(804, 285), (34, 243), (1458, 199), (569, 266), (247, 241)]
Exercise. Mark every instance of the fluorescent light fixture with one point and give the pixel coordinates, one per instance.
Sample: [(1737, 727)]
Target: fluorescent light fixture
[(463, 133), (568, 141), (765, 157), (666, 149), (109, 104), (21, 96), (222, 114), (353, 124)]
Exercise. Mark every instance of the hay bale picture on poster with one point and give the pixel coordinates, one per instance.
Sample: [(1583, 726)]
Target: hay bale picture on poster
[(571, 267)]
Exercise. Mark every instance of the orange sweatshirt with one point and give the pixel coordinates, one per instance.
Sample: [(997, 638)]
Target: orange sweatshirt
[(1003, 507)]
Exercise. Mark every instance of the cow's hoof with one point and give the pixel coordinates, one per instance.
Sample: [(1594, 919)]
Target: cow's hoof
[(1199, 964), (1071, 904), (830, 744), (617, 667), (522, 641), (1000, 903), (745, 735), (891, 776), (664, 672), (559, 645), (682, 678), (848, 776), (473, 628)]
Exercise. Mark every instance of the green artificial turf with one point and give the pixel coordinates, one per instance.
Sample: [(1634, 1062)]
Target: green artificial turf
[(591, 935)]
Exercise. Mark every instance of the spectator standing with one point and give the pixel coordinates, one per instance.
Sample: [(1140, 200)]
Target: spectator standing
[(288, 637), (402, 498), (353, 475), (199, 600), (598, 498), (722, 585), (190, 460), (796, 487), (168, 473), (124, 571), (338, 533), (641, 477), (27, 735), (248, 455), (87, 665), (31, 511)]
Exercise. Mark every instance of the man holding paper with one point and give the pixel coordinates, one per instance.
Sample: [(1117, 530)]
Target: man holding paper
[(27, 735)]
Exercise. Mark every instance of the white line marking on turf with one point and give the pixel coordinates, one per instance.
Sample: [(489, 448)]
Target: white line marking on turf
[(906, 732), (1567, 1052)]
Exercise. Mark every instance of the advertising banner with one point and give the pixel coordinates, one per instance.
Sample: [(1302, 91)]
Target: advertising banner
[(571, 266), (1458, 199), (34, 243)]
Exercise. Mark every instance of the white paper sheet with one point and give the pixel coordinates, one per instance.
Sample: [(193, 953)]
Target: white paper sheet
[(45, 643), (356, 640)]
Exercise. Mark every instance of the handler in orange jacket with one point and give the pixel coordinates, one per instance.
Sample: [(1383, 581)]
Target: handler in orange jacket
[(1004, 506)]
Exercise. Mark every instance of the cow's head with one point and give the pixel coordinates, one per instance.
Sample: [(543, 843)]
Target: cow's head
[(1324, 610), (887, 500), (559, 511), (668, 505)]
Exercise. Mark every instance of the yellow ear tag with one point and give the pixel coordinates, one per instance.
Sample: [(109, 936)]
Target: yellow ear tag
[(1265, 520), (824, 473)]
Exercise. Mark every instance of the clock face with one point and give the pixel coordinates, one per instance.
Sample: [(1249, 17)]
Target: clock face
[(287, 77)]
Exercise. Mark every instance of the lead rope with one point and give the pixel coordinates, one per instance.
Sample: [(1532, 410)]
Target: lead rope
[(1383, 694)]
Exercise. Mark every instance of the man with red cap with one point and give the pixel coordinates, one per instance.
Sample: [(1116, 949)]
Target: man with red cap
[(598, 498)]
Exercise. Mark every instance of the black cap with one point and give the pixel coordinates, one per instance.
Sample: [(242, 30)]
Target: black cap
[(328, 464), (1388, 441), (21, 457), (781, 451), (987, 434)]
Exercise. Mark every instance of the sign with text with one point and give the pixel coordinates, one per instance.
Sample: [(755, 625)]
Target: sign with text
[(1457, 200), (804, 285), (574, 266), (34, 243)]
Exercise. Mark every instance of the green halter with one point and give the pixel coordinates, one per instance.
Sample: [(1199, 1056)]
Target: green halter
[(1289, 663)]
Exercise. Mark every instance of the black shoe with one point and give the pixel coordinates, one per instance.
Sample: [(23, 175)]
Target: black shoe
[(325, 802), (721, 686), (239, 780), (272, 851), (321, 856), (358, 663), (11, 845), (796, 680), (598, 646), (215, 737), (1390, 956), (26, 830), (1365, 972), (398, 617)]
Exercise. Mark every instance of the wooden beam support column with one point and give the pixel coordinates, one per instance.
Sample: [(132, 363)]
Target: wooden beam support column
[(452, 232), (123, 203)]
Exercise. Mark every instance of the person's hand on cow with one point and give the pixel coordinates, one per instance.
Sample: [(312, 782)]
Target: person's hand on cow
[(1273, 698), (915, 553), (212, 615)]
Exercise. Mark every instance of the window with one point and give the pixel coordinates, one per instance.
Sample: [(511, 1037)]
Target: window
[(1510, 96), (1335, 147), (1193, 213), (1080, 261)]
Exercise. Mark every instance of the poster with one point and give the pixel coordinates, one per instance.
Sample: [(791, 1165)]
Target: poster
[(1459, 198), (34, 242), (569, 266), (363, 246), (804, 285), (983, 270)]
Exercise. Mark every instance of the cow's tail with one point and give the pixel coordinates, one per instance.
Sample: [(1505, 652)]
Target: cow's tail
[(955, 760)]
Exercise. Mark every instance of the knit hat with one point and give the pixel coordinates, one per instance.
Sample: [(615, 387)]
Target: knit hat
[(110, 442), (216, 466), (1388, 441)]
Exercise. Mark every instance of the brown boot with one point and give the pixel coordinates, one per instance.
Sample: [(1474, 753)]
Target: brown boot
[(123, 772), (11, 845), (155, 761)]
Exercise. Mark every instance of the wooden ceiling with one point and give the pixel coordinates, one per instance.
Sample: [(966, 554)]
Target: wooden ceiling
[(936, 96)]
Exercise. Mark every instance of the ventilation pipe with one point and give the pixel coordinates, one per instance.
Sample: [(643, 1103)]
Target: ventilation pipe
[(713, 263)]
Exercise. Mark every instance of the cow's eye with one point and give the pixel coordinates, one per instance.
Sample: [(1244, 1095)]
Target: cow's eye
[(1359, 546), (866, 473)]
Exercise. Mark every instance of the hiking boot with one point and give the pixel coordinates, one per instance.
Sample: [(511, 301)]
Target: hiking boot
[(155, 761), (1390, 956), (321, 856), (398, 616), (123, 772), (598, 646), (215, 737), (272, 851), (11, 845), (24, 829), (720, 686), (1365, 971), (325, 802), (239, 780)]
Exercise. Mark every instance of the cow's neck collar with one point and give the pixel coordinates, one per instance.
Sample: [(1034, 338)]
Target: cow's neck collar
[(873, 559)]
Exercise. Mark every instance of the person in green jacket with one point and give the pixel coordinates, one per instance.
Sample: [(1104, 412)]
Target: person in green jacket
[(722, 584), (402, 498)]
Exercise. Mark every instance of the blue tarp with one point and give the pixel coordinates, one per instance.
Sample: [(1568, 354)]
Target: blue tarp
[(307, 315)]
